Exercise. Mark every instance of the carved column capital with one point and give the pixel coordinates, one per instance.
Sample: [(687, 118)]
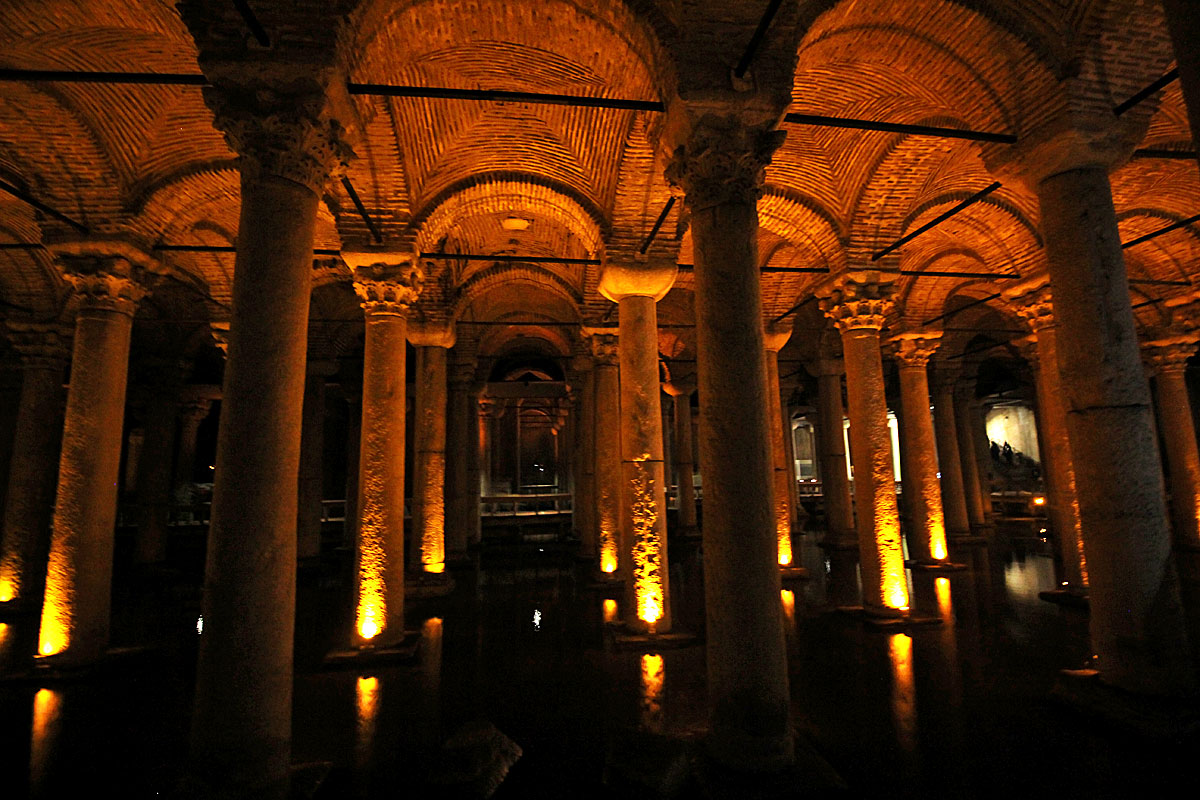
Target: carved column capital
[(1032, 301), (41, 345), (1170, 354), (916, 348), (386, 283), (461, 372), (857, 300), (722, 160), (605, 348)]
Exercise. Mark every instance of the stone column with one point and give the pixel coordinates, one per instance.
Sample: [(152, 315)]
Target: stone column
[(288, 146), (432, 341), (1136, 618), (840, 531), (954, 494), (1168, 358), (387, 284), (1057, 463), (459, 418), (154, 465), (583, 506), (476, 465), (192, 411), (607, 452), (918, 450), (681, 423), (353, 397), (781, 490), (972, 484), (311, 483), (25, 537), (636, 285), (857, 302), (719, 163)]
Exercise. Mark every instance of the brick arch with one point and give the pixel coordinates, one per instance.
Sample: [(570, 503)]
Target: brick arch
[(520, 279), (28, 280)]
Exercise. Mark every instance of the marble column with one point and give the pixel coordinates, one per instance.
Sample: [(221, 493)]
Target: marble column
[(78, 592), (311, 482), (608, 453), (964, 418), (387, 285), (681, 424), (154, 465), (719, 163), (1058, 465), (432, 342), (918, 451), (1136, 618), (29, 504), (781, 495), (840, 531), (288, 146), (636, 285), (192, 412), (459, 440), (583, 506), (857, 303), (945, 427)]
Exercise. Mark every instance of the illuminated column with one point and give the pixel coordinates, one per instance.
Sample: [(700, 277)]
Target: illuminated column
[(583, 506), (918, 451), (432, 341), (681, 396), (1168, 358), (25, 537), (311, 482), (1058, 467), (637, 286), (781, 495), (459, 440), (840, 531), (154, 464), (608, 452), (387, 284), (288, 147), (78, 593), (1136, 617), (719, 163), (192, 412), (857, 302), (954, 495)]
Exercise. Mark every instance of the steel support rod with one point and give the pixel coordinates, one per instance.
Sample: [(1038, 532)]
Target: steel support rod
[(1121, 108), (362, 211), (896, 127), (658, 223), (1183, 223), (756, 39), (970, 201), (27, 198)]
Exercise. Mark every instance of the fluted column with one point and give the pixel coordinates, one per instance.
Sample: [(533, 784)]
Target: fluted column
[(636, 285), (681, 424), (608, 452), (459, 427), (78, 593), (289, 145), (719, 163), (781, 495), (918, 450), (1058, 465), (311, 482), (840, 531), (857, 302), (583, 505), (154, 464), (432, 342), (29, 504), (954, 494), (387, 284)]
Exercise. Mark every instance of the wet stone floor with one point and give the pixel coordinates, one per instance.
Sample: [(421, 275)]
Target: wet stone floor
[(960, 709)]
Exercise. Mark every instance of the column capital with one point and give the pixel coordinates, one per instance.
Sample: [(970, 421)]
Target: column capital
[(194, 409), (774, 338), (682, 387), (857, 300), (432, 333), (605, 346), (915, 348), (41, 345), (106, 274), (1170, 354), (635, 275), (461, 371), (387, 283), (1031, 299), (1062, 147), (720, 159)]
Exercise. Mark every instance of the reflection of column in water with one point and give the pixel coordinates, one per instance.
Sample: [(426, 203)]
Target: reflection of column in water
[(653, 677), (842, 584), (47, 714), (904, 698), (788, 599), (610, 610), (367, 693)]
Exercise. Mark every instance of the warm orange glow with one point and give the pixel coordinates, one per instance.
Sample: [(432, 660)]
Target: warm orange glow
[(367, 696), (370, 617), (904, 700), (438, 567), (788, 599), (783, 531), (608, 562), (785, 551), (7, 592), (432, 628), (3, 637), (942, 587), (893, 580), (610, 610), (433, 549), (647, 549), (47, 705), (1039, 501), (653, 678), (55, 633)]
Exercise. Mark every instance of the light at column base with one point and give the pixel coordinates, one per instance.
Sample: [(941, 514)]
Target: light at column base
[(435, 568)]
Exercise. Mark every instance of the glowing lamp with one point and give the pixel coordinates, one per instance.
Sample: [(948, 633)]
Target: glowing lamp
[(515, 223), (784, 558), (1039, 501), (608, 564), (6, 591)]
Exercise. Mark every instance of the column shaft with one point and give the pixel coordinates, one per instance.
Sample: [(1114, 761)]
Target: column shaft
[(189, 426), (311, 482), (835, 482), (583, 506), (954, 495), (608, 466), (780, 491), (1184, 27), (972, 486), (430, 466), (1183, 457), (458, 441), (918, 458), (154, 478), (682, 424)]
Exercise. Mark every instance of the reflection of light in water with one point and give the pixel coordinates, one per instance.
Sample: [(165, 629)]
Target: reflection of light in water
[(788, 598), (653, 677), (904, 699), (942, 587), (200, 624), (537, 620), (47, 706), (367, 693), (3, 637), (610, 610)]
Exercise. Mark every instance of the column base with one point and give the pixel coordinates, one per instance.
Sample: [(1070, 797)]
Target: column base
[(15, 609), (935, 566), (618, 636), (605, 580), (791, 573), (967, 540), (422, 585), (838, 543), (403, 652), (57, 668), (873, 618), (1070, 598), (1162, 718)]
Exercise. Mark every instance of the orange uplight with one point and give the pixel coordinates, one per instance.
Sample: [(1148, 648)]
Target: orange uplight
[(55, 633), (647, 549), (1039, 501), (783, 532), (7, 593), (653, 678), (941, 587), (610, 610), (440, 566), (367, 696), (370, 617), (608, 562), (892, 577)]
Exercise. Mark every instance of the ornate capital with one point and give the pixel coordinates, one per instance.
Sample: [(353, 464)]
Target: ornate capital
[(1170, 354), (461, 372), (41, 345), (106, 274), (723, 160), (857, 300), (106, 291), (915, 349), (1032, 301), (605, 349), (386, 286), (193, 410)]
